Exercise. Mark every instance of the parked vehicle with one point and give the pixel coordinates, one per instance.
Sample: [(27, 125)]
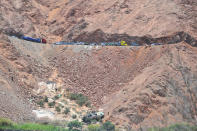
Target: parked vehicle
[(64, 43), (156, 44), (123, 43), (38, 40), (134, 44), (93, 116), (110, 44)]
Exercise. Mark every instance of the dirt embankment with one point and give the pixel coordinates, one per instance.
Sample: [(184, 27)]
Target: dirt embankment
[(99, 72), (19, 74)]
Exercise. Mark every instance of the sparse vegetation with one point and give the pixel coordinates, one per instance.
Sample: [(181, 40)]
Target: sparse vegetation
[(87, 120), (68, 89), (94, 127), (5, 122), (79, 98), (8, 124), (88, 104), (58, 109), (108, 126), (66, 111), (94, 121), (57, 97), (75, 125), (60, 105), (176, 127), (73, 96), (51, 104), (65, 102), (46, 99), (40, 103), (74, 116), (64, 95)]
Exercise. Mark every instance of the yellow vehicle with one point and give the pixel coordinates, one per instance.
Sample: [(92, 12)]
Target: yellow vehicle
[(123, 43)]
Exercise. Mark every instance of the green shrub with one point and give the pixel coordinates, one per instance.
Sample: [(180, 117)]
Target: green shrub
[(182, 127), (40, 103), (94, 127), (67, 89), (30, 127), (87, 120), (75, 125), (88, 104), (57, 97), (74, 116), (60, 105), (51, 104), (38, 127), (73, 96), (94, 121), (57, 108), (82, 100), (108, 126), (66, 111), (46, 99), (79, 98), (5, 122), (175, 127)]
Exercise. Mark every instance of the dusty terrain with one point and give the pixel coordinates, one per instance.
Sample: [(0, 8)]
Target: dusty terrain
[(137, 87), (66, 19), (163, 93)]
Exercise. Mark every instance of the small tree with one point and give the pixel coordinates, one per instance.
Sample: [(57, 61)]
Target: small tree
[(94, 127), (57, 108), (108, 126), (88, 104), (46, 99), (51, 104), (74, 116), (66, 111), (86, 119), (80, 99), (57, 97), (73, 96), (75, 125), (40, 103)]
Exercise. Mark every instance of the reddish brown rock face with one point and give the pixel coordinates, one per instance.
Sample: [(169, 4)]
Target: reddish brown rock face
[(66, 20), (135, 86)]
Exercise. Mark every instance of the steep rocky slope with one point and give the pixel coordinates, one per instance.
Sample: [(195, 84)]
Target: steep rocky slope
[(19, 74), (137, 87), (164, 93), (66, 19)]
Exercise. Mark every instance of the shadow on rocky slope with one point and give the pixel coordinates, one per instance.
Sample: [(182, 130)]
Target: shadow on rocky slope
[(99, 36)]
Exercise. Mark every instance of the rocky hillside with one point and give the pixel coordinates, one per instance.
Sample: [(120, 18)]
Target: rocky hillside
[(67, 19), (163, 93), (137, 87)]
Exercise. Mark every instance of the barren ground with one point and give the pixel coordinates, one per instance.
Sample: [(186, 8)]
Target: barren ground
[(137, 87)]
